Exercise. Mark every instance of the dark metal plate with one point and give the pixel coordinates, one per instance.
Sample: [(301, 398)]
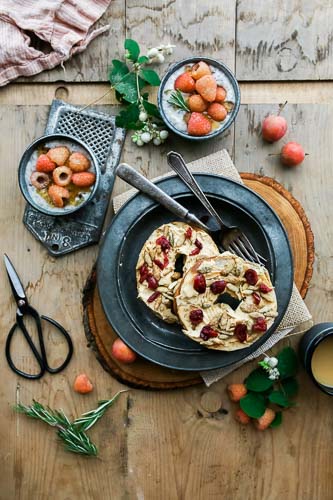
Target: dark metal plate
[(151, 337)]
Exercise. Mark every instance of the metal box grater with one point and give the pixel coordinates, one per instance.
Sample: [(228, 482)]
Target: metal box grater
[(64, 234)]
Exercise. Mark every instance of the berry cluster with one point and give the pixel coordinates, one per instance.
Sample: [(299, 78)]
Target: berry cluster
[(149, 132), (157, 54)]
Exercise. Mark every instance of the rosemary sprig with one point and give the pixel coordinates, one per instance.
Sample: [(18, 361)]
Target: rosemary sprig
[(90, 418), (177, 100)]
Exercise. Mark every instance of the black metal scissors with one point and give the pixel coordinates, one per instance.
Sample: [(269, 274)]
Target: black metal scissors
[(24, 309)]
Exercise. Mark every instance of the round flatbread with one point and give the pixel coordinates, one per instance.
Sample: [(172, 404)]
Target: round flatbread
[(215, 324), (156, 275)]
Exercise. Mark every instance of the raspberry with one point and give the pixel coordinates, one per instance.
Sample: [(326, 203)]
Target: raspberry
[(188, 233), (152, 282), (153, 297), (259, 325), (164, 243), (265, 420), (206, 86), (241, 332), (199, 283), (62, 176), (197, 103), (200, 69), (218, 286), (221, 94), (241, 417), (58, 194), (44, 164), (144, 272), (251, 276), (217, 111), (59, 155), (208, 332), (196, 316), (78, 162), (236, 392), (264, 288), (83, 179), (185, 83), (256, 298), (198, 124)]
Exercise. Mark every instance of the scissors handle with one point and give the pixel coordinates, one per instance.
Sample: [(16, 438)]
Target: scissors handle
[(40, 357)]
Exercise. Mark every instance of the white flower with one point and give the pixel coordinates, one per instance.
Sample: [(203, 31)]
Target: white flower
[(146, 137), (143, 116), (164, 134), (152, 52)]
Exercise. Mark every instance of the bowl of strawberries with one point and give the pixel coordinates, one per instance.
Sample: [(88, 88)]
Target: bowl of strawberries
[(199, 98), (58, 174)]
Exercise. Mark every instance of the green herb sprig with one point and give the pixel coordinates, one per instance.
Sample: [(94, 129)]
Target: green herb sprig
[(177, 100)]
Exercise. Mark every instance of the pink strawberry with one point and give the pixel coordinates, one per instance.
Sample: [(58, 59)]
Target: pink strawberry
[(199, 124), (44, 164)]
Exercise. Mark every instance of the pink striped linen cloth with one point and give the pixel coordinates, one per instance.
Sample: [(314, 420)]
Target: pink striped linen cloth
[(64, 24)]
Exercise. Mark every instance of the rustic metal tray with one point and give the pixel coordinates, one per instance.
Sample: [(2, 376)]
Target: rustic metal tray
[(61, 235)]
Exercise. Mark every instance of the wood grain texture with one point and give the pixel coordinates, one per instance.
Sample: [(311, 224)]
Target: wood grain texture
[(284, 40)]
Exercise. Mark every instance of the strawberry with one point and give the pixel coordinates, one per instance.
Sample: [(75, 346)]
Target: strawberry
[(58, 194), (265, 420), (185, 83), (236, 392), (197, 103), (59, 155), (83, 179), (82, 384), (200, 69), (206, 86), (221, 94), (241, 417), (217, 111), (78, 162), (198, 124), (44, 164)]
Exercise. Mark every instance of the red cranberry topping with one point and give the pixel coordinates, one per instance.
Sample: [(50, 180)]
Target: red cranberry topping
[(188, 232), (218, 286), (165, 260), (198, 244), (195, 251), (241, 332), (256, 298), (264, 288), (260, 325), (208, 332), (164, 242), (199, 283), (251, 276), (159, 263), (144, 271), (153, 296), (152, 282), (196, 316)]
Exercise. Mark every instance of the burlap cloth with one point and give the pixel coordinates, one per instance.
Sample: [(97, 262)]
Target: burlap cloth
[(297, 318)]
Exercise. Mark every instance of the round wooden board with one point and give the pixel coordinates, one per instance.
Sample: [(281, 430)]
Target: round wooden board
[(146, 375)]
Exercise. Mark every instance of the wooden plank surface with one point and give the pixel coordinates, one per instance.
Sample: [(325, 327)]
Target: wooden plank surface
[(161, 445), (284, 40)]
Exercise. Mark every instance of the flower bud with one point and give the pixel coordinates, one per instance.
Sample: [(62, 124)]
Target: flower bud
[(164, 134), (143, 116), (152, 52), (146, 137), (160, 58), (157, 141)]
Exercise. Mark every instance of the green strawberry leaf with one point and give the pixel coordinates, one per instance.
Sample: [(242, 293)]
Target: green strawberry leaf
[(289, 387), (278, 398), (132, 48), (258, 381), (277, 420), (143, 59), (128, 89), (287, 363), (128, 117), (150, 76), (253, 405), (151, 109), (118, 70)]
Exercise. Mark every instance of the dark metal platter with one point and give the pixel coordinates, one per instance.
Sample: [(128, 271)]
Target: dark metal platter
[(151, 337)]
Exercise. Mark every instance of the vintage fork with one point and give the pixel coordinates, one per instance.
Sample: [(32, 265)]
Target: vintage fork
[(231, 238)]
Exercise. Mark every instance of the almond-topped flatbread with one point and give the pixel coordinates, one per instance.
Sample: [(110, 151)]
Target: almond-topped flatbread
[(214, 324), (156, 275)]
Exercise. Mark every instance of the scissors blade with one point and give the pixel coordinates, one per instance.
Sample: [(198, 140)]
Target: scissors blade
[(14, 280)]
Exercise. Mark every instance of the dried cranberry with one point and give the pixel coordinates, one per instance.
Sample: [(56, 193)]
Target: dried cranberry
[(188, 232), (218, 286), (153, 296), (241, 332), (198, 244), (164, 242), (256, 298), (196, 316), (195, 251), (199, 283), (208, 332), (251, 276), (144, 271), (159, 263), (260, 325), (264, 288), (152, 282), (165, 260)]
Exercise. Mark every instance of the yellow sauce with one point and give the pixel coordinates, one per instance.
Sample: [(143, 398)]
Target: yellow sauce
[(322, 362)]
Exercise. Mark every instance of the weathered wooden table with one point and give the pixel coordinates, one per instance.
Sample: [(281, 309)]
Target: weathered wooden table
[(157, 445)]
